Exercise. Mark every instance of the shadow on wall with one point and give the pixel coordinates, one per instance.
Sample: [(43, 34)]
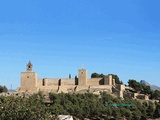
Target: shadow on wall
[(101, 82), (76, 80)]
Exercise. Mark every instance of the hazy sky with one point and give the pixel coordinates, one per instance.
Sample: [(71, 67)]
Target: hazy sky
[(107, 36)]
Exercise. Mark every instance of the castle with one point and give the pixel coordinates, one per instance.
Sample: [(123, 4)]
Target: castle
[(31, 83)]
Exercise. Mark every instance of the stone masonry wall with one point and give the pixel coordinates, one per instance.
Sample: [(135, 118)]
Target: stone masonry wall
[(53, 82), (28, 81), (48, 88), (94, 81), (66, 81)]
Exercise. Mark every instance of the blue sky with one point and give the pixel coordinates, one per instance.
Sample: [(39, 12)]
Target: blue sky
[(57, 36)]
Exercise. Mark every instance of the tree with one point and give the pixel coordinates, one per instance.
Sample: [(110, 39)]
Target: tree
[(146, 89), (16, 108), (155, 94), (144, 110), (125, 112), (116, 113), (136, 115), (157, 110), (3, 89), (134, 84), (69, 76), (150, 109), (82, 106)]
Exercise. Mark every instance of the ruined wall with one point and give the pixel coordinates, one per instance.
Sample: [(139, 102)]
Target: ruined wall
[(141, 96)]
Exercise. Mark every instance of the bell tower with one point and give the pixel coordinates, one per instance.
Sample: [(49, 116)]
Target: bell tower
[(29, 67), (29, 79)]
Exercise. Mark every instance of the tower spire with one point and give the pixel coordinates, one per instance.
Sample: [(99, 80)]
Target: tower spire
[(29, 67)]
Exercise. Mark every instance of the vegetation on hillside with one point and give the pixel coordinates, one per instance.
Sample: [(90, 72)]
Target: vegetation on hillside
[(3, 89), (144, 89), (81, 106)]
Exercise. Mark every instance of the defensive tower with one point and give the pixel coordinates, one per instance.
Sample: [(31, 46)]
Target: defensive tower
[(29, 79), (82, 77)]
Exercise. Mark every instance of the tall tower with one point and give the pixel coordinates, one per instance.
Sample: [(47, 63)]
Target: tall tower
[(29, 79), (108, 80), (82, 77)]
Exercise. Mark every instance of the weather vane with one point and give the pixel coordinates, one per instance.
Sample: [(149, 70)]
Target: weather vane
[(82, 66)]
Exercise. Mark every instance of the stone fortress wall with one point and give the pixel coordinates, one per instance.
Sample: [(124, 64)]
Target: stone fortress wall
[(31, 83)]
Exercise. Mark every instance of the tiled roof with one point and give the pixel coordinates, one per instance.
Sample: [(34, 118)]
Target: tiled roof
[(29, 64)]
